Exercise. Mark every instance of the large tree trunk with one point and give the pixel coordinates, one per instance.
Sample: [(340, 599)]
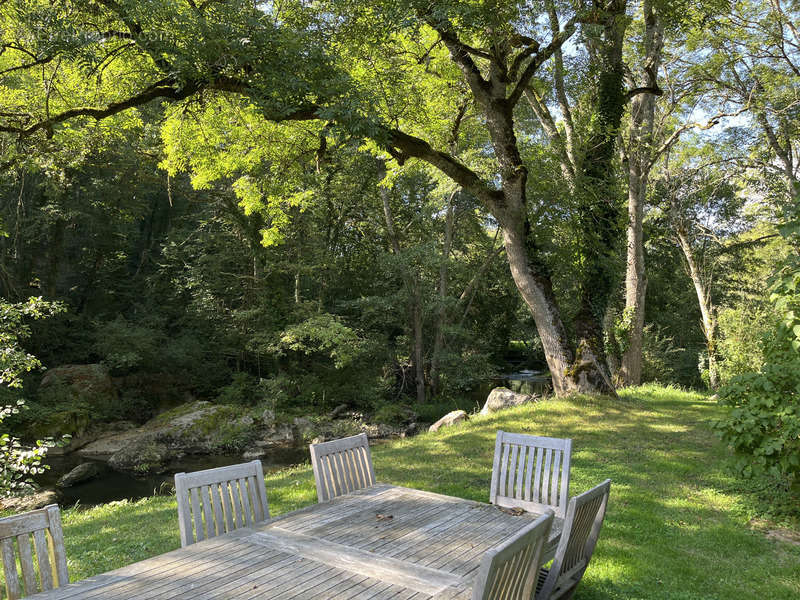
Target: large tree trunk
[(533, 283), (583, 370), (630, 371), (598, 218), (640, 157)]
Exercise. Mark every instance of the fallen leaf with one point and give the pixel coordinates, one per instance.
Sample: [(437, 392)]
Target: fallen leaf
[(514, 512)]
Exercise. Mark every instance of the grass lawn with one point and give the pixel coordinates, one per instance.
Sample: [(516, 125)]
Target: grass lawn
[(677, 526)]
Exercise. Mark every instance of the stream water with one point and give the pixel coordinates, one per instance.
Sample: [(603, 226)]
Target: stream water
[(524, 381), (117, 485)]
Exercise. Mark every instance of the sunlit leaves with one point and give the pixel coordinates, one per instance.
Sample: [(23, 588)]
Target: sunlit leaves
[(225, 141)]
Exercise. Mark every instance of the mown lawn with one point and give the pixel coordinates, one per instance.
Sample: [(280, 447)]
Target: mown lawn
[(677, 528)]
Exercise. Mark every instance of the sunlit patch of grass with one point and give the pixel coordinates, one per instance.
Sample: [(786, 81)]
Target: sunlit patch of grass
[(678, 526)]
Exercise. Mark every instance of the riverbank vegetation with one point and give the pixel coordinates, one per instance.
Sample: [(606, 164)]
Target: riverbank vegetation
[(679, 524)]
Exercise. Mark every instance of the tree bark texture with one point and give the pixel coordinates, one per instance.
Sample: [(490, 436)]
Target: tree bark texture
[(640, 160)]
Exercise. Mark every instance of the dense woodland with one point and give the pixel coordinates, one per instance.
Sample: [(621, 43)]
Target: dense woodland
[(385, 204)]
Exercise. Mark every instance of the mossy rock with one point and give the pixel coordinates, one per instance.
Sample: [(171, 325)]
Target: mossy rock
[(144, 455)]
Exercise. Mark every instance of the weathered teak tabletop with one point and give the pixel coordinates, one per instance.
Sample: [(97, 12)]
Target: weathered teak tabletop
[(379, 543)]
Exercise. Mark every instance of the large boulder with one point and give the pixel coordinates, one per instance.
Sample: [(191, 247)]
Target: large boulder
[(192, 428), (501, 397), (86, 380), (451, 418), (81, 473)]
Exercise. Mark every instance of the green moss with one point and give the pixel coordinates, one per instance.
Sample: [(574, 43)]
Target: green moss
[(179, 411)]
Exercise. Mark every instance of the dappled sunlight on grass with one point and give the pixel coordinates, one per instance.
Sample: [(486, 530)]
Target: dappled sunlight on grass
[(677, 525)]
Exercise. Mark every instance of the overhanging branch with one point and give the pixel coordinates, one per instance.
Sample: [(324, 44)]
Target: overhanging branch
[(403, 146)]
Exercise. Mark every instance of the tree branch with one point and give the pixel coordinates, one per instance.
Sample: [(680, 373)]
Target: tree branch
[(403, 146), (685, 127), (656, 91), (539, 59)]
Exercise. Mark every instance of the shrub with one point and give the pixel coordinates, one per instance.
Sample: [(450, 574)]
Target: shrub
[(763, 422), (659, 356), (741, 339), (126, 346), (19, 463)]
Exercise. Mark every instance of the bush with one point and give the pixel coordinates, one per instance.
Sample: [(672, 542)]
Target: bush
[(660, 356), (244, 390), (741, 339), (763, 422), (126, 347), (19, 463)]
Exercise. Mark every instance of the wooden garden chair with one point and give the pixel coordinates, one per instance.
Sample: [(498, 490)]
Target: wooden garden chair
[(509, 571), (531, 473), (44, 526), (220, 500), (342, 466), (582, 525)]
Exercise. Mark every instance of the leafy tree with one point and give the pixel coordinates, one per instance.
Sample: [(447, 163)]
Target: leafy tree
[(355, 67), (18, 463)]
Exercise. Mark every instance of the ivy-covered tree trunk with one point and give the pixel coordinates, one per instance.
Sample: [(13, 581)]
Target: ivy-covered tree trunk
[(599, 201)]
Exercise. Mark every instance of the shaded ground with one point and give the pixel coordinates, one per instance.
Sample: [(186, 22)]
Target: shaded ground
[(677, 527)]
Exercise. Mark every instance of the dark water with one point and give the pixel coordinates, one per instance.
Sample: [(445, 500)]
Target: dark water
[(527, 382), (116, 485), (523, 381)]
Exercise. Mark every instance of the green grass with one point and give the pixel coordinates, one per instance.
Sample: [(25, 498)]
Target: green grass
[(677, 525)]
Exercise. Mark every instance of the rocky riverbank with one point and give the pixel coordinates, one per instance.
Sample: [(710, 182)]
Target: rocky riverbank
[(200, 427)]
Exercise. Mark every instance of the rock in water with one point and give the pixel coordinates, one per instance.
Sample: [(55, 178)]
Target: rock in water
[(451, 418), (144, 455), (81, 473), (500, 398)]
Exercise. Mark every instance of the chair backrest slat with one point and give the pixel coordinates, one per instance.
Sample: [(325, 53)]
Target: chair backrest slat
[(582, 525), (216, 501), (342, 466), (510, 570), (26, 561), (50, 569), (531, 472)]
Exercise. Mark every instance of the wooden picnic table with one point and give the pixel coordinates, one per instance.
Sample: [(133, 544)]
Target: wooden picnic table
[(378, 543)]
